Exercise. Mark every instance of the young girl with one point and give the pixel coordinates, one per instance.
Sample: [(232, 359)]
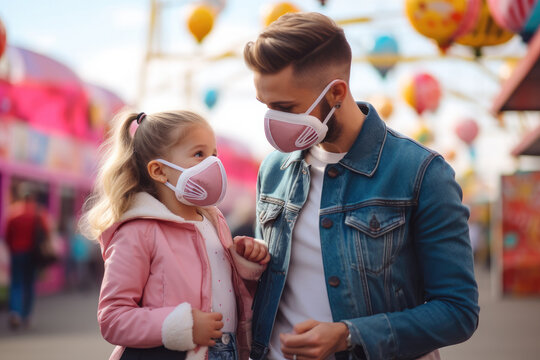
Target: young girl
[(171, 287)]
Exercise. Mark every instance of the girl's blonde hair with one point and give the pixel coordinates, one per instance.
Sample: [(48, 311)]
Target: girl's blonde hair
[(123, 166)]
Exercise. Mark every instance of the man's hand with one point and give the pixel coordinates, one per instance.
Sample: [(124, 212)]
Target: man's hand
[(251, 250), (206, 327), (314, 340)]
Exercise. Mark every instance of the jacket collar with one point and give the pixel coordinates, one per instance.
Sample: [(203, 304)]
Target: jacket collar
[(364, 155), (146, 206)]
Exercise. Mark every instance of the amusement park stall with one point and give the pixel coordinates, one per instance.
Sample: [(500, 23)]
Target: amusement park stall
[(51, 124), (518, 253)]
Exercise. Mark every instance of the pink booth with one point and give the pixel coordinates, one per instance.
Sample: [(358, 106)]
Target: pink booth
[(51, 125)]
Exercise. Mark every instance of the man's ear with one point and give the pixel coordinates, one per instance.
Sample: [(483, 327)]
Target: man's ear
[(155, 170), (337, 93)]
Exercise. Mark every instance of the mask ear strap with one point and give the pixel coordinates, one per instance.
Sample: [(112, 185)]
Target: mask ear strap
[(323, 93), (329, 115), (174, 166)]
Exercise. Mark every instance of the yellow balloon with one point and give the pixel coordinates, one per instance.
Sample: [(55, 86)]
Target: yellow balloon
[(486, 32), (440, 20), (276, 10), (200, 21)]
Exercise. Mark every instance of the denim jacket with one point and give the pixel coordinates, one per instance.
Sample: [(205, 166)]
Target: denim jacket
[(394, 239)]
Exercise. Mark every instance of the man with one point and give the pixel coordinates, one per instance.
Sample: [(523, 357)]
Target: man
[(370, 251), (24, 224)]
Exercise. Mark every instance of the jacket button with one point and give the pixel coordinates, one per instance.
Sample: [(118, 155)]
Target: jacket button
[(374, 223), (327, 223), (333, 172), (334, 281)]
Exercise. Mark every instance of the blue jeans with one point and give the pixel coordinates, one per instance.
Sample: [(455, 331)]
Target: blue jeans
[(21, 293), (225, 348)]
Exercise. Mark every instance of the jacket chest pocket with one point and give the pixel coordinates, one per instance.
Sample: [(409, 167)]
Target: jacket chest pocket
[(268, 210), (378, 234)]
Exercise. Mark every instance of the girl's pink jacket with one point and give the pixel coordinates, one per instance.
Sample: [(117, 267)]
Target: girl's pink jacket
[(156, 271)]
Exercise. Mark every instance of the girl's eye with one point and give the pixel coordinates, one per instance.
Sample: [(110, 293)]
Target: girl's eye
[(199, 154)]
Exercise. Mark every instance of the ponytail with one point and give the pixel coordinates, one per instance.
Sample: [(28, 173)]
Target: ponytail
[(117, 180), (123, 164)]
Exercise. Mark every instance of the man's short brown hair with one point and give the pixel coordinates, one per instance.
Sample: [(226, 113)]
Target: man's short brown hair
[(308, 41)]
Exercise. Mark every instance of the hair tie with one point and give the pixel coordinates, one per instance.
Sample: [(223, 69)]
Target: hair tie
[(140, 117)]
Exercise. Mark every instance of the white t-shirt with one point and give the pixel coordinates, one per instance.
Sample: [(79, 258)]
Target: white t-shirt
[(223, 299), (304, 296)]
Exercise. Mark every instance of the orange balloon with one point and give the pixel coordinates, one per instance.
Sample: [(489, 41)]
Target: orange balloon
[(200, 22), (275, 11)]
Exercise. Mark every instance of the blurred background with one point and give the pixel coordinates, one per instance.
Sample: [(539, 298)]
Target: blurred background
[(460, 76)]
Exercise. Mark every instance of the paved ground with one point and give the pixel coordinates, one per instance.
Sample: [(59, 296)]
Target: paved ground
[(65, 329)]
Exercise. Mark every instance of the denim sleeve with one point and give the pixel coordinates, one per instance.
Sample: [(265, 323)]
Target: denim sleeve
[(449, 314)]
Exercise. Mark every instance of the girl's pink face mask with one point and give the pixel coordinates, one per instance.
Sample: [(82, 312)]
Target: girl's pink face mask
[(204, 184), (288, 132)]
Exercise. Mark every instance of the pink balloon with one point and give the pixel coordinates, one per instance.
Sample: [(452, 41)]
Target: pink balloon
[(512, 14), (467, 130), (428, 92)]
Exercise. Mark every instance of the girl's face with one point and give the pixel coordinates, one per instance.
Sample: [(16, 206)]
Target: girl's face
[(197, 145)]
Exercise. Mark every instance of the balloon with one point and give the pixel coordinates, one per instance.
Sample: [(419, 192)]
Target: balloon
[(423, 134), (3, 38), (276, 10), (486, 32), (518, 16), (200, 21), (383, 105), (211, 97), (450, 155), (467, 130), (422, 92), (383, 56), (442, 20)]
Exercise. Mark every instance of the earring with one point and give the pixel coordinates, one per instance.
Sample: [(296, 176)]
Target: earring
[(337, 106)]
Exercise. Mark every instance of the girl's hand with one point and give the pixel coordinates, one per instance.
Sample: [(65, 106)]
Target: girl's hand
[(251, 249), (206, 327)]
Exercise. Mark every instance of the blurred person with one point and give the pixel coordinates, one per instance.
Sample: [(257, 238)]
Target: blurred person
[(173, 282), (80, 257), (370, 254), (26, 223)]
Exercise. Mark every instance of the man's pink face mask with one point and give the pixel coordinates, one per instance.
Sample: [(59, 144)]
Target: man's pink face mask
[(288, 132)]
